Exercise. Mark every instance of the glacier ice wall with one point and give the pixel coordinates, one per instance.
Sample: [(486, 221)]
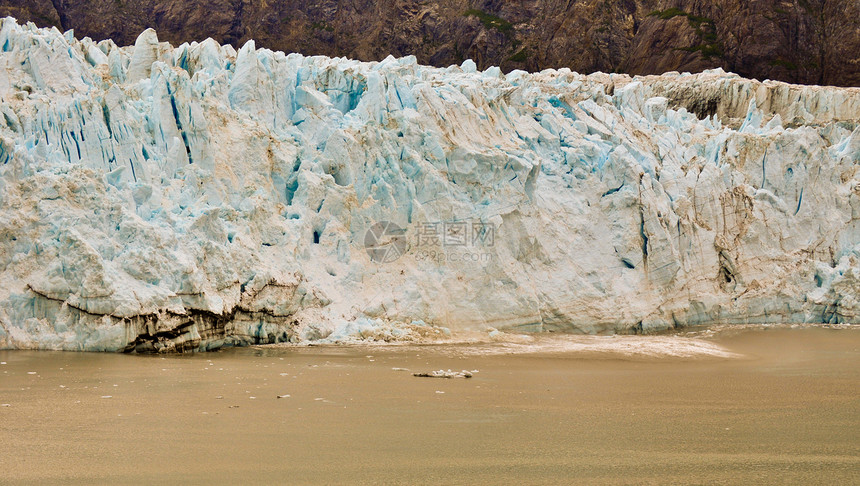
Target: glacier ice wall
[(156, 197)]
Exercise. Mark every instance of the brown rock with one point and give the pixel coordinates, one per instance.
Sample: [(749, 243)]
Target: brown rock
[(800, 41)]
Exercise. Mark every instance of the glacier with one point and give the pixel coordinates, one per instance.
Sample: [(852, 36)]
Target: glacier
[(158, 198)]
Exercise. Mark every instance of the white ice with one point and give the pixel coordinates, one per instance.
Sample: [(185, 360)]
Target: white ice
[(158, 197)]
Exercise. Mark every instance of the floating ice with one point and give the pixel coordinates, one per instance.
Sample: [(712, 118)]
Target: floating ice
[(444, 374)]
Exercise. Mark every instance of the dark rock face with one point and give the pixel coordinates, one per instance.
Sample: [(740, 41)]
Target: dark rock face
[(800, 41)]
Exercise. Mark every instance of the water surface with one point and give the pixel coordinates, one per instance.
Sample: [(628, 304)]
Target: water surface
[(734, 406)]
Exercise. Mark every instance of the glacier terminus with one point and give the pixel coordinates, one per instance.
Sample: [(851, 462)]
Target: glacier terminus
[(157, 198)]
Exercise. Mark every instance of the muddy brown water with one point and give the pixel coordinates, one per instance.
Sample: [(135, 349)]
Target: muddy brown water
[(764, 406)]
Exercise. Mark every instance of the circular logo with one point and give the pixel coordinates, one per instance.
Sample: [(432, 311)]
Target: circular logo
[(385, 242)]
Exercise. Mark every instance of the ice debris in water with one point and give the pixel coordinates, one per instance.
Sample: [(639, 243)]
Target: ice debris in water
[(444, 374)]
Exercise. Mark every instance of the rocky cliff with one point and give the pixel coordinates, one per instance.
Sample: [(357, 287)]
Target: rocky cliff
[(799, 41)]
